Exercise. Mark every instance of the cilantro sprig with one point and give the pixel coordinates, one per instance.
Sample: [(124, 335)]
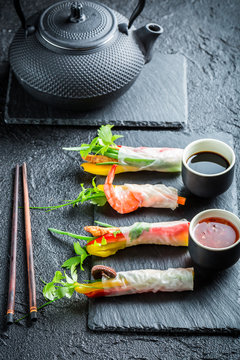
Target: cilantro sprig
[(73, 262), (103, 144), (58, 288)]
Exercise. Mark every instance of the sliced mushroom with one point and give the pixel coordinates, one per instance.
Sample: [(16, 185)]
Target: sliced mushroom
[(98, 271)]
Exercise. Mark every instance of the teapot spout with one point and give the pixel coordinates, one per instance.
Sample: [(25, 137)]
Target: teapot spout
[(147, 35)]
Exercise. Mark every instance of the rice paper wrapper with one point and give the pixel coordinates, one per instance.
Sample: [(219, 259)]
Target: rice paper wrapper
[(155, 196), (161, 233), (150, 280), (147, 158)]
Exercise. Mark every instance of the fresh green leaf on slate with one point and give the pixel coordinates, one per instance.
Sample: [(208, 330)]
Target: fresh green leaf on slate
[(58, 277), (73, 261), (49, 291)]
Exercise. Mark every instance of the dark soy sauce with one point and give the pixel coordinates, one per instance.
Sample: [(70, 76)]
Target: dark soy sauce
[(207, 162)]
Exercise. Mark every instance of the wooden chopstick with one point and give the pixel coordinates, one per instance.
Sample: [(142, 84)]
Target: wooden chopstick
[(29, 248), (12, 273)]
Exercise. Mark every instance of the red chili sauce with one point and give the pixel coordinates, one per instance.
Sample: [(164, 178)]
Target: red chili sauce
[(216, 232)]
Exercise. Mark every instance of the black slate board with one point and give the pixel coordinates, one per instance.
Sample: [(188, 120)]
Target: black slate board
[(158, 98), (214, 305)]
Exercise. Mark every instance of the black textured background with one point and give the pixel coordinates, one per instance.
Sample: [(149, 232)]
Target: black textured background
[(207, 34)]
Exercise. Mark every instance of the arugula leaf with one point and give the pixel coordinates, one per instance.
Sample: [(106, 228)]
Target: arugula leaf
[(93, 195)]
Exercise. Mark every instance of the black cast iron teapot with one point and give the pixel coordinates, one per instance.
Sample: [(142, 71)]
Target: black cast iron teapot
[(80, 55)]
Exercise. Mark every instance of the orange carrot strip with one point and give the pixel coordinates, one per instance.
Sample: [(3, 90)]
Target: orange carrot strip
[(181, 200)]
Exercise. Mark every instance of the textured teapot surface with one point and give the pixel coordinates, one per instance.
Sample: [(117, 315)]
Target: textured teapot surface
[(77, 57)]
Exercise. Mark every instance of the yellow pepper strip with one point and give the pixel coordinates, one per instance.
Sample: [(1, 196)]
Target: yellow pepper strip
[(105, 250), (98, 286), (104, 169)]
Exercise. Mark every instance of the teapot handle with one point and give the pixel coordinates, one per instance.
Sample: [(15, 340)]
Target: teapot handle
[(137, 11), (29, 29)]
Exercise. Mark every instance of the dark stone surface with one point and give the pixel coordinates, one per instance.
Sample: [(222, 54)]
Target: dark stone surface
[(164, 75), (214, 304), (207, 34)]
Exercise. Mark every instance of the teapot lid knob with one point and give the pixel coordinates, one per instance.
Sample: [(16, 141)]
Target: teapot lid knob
[(77, 14), (76, 25)]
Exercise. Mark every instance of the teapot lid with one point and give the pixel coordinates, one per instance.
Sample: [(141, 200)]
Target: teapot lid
[(78, 25)]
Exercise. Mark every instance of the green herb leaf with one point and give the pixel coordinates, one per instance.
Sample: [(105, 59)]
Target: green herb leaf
[(68, 279), (84, 152), (49, 291), (93, 195), (105, 134), (57, 288), (66, 291), (103, 224), (137, 230), (58, 277), (73, 261), (78, 249), (74, 273), (103, 143), (99, 201), (86, 238)]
